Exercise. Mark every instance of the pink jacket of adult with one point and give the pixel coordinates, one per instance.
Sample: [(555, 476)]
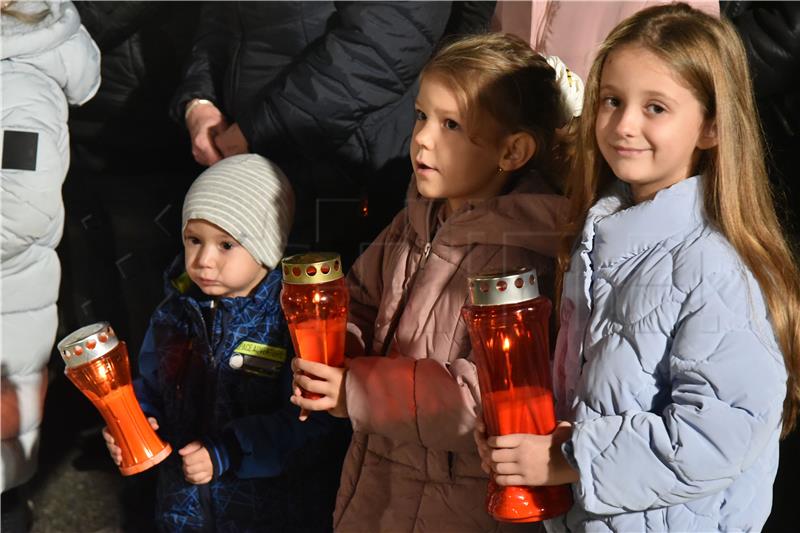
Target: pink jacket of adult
[(412, 464), (571, 30)]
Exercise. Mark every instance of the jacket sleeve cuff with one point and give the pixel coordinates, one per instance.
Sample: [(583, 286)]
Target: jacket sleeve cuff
[(224, 450), (568, 451)]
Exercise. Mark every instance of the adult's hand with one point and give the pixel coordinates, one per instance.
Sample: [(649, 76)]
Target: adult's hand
[(231, 141), (205, 122)]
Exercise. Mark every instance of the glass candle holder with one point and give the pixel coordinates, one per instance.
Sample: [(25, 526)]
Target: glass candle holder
[(97, 363), (314, 300), (508, 322)]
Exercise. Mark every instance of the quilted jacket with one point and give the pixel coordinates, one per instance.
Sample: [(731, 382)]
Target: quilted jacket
[(668, 366), (271, 471), (413, 464), (46, 66)]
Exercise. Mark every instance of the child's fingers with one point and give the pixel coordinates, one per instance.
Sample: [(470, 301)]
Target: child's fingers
[(506, 480), (107, 436), (116, 454), (193, 465), (303, 415), (153, 422), (190, 448), (506, 469), (311, 367), (503, 455), (307, 404), (506, 441), (196, 474), (310, 384)]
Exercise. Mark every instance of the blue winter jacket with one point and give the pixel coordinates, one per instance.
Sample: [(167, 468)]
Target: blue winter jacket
[(271, 471), (668, 366)]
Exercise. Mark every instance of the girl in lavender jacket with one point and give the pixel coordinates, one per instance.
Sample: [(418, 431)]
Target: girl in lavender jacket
[(680, 311)]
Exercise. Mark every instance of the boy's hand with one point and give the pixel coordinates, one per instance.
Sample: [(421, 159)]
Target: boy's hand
[(114, 450), (197, 466), (530, 460), (328, 382)]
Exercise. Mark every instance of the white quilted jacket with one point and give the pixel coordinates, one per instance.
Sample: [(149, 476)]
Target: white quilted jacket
[(45, 67)]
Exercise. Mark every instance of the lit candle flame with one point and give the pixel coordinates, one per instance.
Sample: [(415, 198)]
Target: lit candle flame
[(102, 372), (316, 297), (506, 349)]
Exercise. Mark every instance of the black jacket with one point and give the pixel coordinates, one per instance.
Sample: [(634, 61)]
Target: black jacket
[(771, 35), (143, 45), (326, 90)]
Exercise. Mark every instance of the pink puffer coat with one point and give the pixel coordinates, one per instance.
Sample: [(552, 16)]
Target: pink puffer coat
[(413, 464)]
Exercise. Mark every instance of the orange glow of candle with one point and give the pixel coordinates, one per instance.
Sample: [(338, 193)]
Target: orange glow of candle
[(507, 320), (314, 300)]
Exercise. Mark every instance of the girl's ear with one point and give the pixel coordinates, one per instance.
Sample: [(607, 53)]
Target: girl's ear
[(708, 137), (517, 150)]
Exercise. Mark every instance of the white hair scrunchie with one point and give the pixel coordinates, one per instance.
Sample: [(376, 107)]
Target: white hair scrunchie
[(571, 86)]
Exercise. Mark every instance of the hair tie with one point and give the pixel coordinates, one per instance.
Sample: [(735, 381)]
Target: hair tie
[(571, 86)]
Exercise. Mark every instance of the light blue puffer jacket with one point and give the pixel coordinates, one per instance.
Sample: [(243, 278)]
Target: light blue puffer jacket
[(45, 66), (669, 368)]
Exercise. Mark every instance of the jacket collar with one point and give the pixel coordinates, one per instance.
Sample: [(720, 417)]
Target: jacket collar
[(266, 294), (619, 229), (529, 217)]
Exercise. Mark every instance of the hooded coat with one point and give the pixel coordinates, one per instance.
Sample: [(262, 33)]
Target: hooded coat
[(46, 66), (413, 400)]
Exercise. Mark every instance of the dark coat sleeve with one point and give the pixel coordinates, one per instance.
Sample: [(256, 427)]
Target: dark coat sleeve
[(470, 17), (205, 69), (770, 32), (111, 23), (368, 59)]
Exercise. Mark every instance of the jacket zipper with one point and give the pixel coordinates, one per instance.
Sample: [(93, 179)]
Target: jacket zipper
[(404, 298)]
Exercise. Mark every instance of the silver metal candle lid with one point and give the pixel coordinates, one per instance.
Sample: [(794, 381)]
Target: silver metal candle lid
[(87, 344), (498, 288)]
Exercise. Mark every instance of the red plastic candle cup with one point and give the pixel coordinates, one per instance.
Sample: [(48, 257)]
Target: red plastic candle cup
[(314, 300), (508, 322), (97, 363)]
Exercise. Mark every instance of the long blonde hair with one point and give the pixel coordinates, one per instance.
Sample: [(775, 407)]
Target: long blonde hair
[(709, 57)]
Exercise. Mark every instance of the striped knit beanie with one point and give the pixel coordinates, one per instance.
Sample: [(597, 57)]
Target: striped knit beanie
[(249, 197)]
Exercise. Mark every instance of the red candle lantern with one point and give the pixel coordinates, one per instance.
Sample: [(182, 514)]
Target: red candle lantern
[(508, 327), (314, 299), (97, 363)]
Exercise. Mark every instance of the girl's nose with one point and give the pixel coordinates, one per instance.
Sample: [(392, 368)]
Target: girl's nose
[(422, 136), (627, 121)]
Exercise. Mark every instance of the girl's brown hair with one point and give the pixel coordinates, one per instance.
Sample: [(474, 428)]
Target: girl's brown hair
[(500, 80), (708, 55)]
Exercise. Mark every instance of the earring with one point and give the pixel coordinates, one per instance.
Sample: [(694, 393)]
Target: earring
[(500, 170)]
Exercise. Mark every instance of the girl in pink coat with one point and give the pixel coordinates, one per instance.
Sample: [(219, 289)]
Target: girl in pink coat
[(485, 155)]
